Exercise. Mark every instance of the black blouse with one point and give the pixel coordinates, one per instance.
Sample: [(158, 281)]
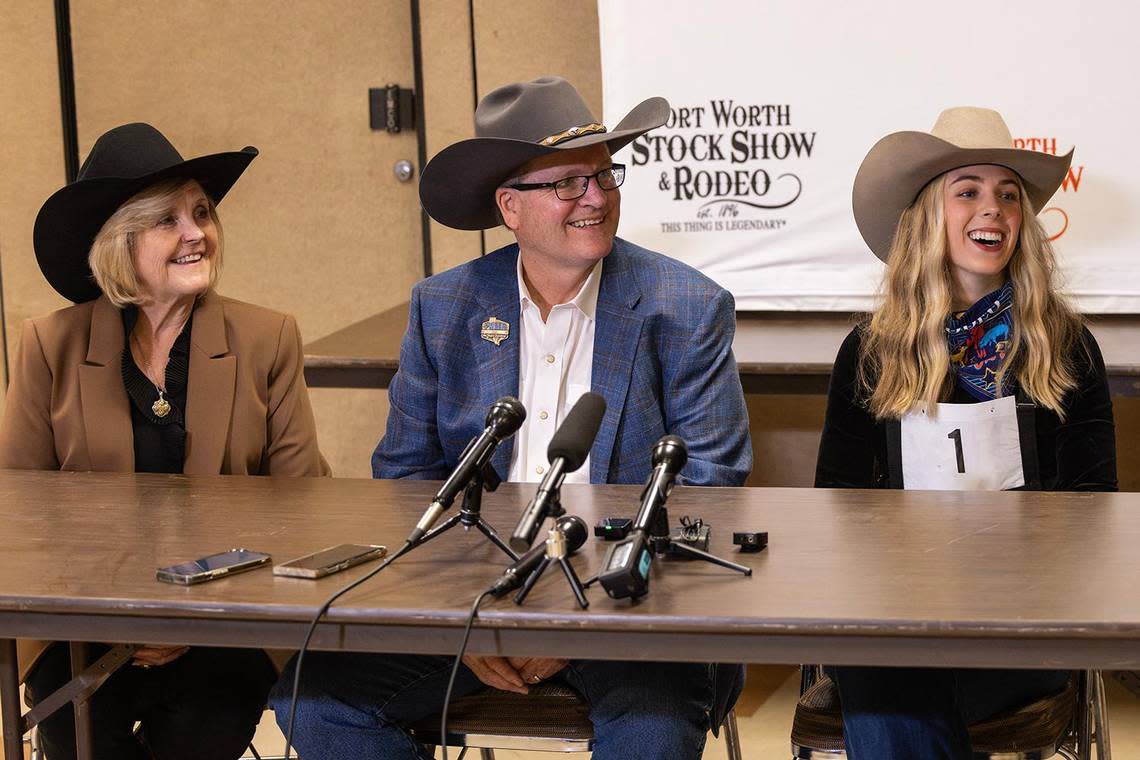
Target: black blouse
[(1078, 454), (160, 442)]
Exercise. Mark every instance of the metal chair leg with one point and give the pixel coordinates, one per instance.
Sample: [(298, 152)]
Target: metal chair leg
[(1100, 716), (486, 754), (35, 752), (731, 736), (1084, 715)]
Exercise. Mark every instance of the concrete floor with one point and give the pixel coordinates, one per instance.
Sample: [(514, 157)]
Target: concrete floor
[(764, 717)]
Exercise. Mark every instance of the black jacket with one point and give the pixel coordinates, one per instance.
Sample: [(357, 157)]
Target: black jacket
[(1078, 454)]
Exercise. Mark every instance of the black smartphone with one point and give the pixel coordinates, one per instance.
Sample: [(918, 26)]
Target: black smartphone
[(213, 566), (329, 561)]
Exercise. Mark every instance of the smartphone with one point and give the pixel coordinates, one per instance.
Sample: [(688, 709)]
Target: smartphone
[(214, 566), (329, 561)]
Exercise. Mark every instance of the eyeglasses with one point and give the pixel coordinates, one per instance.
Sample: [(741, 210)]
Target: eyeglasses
[(572, 188)]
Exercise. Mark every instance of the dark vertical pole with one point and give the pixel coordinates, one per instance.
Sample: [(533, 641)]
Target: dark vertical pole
[(66, 88), (4, 330), (421, 132), (475, 98), (10, 699)]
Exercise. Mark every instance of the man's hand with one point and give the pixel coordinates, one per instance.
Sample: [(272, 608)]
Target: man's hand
[(496, 672), (536, 669), (515, 673), (148, 656)]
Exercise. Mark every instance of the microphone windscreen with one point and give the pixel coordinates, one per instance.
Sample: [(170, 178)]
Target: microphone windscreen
[(575, 436), (574, 528)]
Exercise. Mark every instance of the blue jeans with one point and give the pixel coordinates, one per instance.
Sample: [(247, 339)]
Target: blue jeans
[(352, 706), (923, 713)]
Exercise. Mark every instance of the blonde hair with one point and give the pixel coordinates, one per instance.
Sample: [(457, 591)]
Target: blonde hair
[(112, 253), (904, 361)]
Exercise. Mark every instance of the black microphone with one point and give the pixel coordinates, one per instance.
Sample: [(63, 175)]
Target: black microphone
[(503, 418), (625, 569), (573, 527), (567, 451), (669, 457)]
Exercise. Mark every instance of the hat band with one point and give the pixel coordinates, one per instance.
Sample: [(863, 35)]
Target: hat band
[(573, 132)]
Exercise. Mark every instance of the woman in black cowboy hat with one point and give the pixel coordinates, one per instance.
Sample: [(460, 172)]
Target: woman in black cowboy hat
[(152, 371), (972, 374)]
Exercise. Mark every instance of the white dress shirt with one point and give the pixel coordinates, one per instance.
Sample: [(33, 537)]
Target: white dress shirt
[(556, 359)]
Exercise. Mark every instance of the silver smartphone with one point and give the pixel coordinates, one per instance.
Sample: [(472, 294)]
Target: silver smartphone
[(329, 561), (213, 566)]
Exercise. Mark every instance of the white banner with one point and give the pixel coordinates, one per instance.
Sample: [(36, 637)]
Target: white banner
[(775, 104)]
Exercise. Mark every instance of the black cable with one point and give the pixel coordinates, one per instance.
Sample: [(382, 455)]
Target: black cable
[(455, 669), (313, 626)]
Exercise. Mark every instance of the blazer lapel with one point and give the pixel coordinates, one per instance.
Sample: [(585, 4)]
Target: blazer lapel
[(106, 410), (498, 366), (210, 390), (616, 334)]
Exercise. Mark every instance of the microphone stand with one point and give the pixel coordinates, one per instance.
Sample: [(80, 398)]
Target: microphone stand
[(555, 552), (468, 516), (661, 543)]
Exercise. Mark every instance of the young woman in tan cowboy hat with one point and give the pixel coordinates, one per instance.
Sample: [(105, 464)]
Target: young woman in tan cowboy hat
[(972, 374), (152, 371)]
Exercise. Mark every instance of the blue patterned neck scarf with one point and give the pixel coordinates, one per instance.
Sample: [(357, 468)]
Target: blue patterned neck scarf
[(979, 340)]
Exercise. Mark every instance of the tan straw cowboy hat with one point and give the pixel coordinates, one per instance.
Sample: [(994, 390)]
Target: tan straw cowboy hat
[(513, 125), (901, 164)]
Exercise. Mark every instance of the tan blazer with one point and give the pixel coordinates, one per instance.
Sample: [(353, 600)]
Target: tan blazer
[(247, 406)]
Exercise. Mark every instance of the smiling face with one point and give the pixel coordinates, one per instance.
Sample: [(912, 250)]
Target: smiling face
[(563, 234), (982, 205), (173, 257)]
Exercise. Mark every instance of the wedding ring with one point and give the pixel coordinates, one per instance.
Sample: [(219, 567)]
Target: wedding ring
[(535, 678)]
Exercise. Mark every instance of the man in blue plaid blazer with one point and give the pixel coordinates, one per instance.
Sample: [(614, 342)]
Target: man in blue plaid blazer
[(662, 361), (657, 338)]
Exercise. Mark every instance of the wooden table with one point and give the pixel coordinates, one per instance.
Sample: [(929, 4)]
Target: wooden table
[(850, 577), (777, 352)]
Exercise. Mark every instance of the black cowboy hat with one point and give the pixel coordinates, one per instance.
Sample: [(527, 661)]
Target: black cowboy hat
[(513, 125), (124, 162)]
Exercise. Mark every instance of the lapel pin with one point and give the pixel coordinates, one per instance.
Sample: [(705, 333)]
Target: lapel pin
[(495, 330)]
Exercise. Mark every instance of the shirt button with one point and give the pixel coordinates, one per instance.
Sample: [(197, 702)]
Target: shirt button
[(550, 358), (540, 469), (543, 415)]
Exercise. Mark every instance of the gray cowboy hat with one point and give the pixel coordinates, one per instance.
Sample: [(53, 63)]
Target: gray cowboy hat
[(901, 164), (513, 125), (124, 161)]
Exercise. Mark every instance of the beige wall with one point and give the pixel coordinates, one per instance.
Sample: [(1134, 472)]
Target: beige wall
[(318, 226), (31, 151)]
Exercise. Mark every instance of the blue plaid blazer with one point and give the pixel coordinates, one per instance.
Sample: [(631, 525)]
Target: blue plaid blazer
[(662, 361)]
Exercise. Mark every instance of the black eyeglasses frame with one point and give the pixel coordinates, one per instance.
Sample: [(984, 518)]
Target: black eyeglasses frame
[(617, 169)]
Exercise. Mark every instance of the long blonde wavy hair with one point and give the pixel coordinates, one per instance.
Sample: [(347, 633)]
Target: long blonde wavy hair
[(905, 363)]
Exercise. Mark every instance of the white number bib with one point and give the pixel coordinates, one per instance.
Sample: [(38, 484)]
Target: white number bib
[(969, 447)]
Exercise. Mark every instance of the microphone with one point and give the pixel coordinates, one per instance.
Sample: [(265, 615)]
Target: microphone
[(568, 449), (625, 569), (669, 457), (573, 527), (503, 418)]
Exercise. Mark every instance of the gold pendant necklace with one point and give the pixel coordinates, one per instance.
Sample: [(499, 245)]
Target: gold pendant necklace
[(161, 407)]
